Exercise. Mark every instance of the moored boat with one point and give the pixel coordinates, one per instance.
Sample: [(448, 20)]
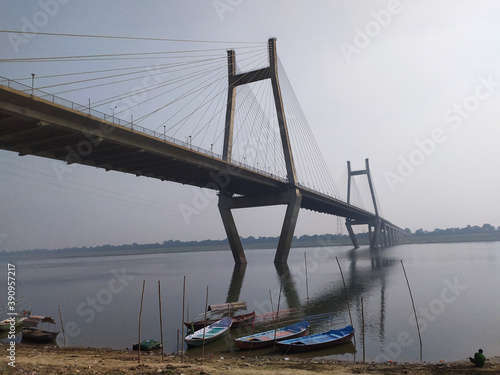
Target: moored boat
[(268, 338), (238, 321), (243, 320), (147, 345), (317, 341), (33, 332), (210, 333), (22, 311)]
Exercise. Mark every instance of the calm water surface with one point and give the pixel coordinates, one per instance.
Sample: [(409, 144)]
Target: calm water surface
[(455, 289)]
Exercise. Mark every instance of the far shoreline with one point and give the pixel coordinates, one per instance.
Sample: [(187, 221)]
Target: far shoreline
[(319, 241)]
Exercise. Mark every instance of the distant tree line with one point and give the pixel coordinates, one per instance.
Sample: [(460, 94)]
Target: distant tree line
[(486, 228), (304, 240)]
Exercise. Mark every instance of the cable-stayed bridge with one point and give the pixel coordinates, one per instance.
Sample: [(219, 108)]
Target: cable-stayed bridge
[(236, 130)]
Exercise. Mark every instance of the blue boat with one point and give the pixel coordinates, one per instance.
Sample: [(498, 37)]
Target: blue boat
[(268, 338), (317, 341)]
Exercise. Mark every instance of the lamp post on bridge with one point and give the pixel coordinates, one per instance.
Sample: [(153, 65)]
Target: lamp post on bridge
[(32, 83), (113, 109)]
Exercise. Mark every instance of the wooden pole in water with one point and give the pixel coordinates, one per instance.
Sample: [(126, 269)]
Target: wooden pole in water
[(277, 313), (307, 283), (62, 325), (363, 327), (271, 299), (345, 290), (177, 341), (414, 311), (182, 323), (204, 329), (140, 316), (161, 321)]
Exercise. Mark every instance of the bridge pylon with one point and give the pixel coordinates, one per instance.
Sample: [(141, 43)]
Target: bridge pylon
[(291, 197), (375, 225)]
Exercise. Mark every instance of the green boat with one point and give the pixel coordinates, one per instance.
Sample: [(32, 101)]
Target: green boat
[(147, 345)]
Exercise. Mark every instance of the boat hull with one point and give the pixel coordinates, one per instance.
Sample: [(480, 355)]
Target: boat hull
[(210, 333), (243, 320), (318, 341), (268, 338), (147, 345), (238, 321), (38, 335)]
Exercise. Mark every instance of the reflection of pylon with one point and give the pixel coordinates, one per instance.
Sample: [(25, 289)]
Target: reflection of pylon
[(339, 225)]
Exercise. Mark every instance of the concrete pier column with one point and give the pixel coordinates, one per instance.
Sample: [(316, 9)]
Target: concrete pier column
[(374, 239), (231, 232), (354, 240), (289, 223)]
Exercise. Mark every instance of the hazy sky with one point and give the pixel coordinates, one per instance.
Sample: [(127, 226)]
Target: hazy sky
[(412, 85)]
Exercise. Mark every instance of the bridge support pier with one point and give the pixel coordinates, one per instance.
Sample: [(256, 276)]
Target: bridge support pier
[(292, 198), (374, 237), (354, 240)]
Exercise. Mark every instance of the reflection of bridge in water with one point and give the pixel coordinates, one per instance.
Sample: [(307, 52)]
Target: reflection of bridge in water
[(34, 122), (360, 280)]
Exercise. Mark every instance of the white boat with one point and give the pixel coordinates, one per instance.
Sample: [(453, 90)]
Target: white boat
[(22, 312), (210, 333)]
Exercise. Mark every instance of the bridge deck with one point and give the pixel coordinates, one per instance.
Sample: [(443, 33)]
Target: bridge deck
[(30, 125)]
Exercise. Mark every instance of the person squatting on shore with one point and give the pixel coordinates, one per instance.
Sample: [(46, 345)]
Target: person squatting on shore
[(478, 359)]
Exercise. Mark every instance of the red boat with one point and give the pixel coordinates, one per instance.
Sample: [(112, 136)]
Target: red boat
[(238, 321), (243, 320)]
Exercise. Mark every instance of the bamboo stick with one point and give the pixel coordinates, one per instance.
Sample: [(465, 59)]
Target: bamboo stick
[(277, 313), (182, 322), (62, 325), (363, 327), (204, 329), (161, 321), (140, 316), (307, 284), (414, 311), (345, 290), (271, 299)]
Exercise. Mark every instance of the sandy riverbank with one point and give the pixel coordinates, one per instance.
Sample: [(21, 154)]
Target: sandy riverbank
[(43, 360)]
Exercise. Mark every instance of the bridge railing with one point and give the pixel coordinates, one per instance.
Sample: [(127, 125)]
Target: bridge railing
[(87, 110)]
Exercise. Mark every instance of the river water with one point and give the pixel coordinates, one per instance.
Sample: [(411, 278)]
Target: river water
[(454, 287)]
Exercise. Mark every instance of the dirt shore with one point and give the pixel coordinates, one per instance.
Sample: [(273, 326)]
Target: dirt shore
[(53, 360)]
